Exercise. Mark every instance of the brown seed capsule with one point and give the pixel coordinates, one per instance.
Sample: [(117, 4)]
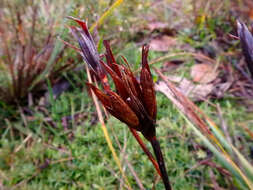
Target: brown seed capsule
[(116, 106), (147, 86)]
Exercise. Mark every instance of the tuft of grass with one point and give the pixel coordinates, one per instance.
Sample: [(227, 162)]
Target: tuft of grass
[(28, 59)]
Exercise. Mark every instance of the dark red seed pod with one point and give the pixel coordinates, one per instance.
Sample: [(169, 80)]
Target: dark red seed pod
[(147, 86), (116, 106)]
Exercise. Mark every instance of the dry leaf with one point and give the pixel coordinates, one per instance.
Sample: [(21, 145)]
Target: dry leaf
[(162, 87), (195, 92), (203, 73), (221, 88), (162, 43), (157, 25)]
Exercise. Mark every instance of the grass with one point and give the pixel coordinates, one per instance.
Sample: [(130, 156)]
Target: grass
[(91, 157), (78, 158), (38, 151)]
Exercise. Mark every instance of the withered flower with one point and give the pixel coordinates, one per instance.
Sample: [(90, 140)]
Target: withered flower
[(89, 51), (134, 102), (246, 40)]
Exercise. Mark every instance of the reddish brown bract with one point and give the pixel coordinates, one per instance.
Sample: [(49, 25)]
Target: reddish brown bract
[(136, 102), (87, 45), (148, 92)]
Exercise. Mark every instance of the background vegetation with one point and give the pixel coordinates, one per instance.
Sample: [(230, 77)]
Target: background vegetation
[(50, 137)]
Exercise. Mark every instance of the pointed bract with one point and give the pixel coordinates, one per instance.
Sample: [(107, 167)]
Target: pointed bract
[(110, 58), (120, 87), (116, 106), (246, 39), (147, 86), (139, 96), (83, 25), (134, 81), (88, 48)]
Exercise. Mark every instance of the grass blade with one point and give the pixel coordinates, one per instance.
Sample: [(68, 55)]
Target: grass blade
[(106, 14), (210, 134), (224, 159)]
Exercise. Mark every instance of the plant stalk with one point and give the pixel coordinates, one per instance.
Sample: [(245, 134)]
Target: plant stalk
[(145, 150), (158, 153)]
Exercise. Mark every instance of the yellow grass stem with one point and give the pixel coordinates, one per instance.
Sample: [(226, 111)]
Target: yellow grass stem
[(106, 134), (219, 144), (106, 14), (222, 157)]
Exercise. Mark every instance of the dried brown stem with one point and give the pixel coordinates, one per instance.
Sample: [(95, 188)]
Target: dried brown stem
[(159, 156)]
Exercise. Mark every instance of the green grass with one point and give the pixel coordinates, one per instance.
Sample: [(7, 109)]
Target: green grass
[(90, 164)]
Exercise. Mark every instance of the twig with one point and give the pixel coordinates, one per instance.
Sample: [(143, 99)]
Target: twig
[(197, 165), (116, 176), (24, 141), (244, 73), (128, 163), (247, 130), (71, 46), (168, 56), (156, 180), (214, 182), (223, 124)]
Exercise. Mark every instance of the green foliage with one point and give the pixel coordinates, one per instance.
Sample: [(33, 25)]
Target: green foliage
[(76, 156)]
